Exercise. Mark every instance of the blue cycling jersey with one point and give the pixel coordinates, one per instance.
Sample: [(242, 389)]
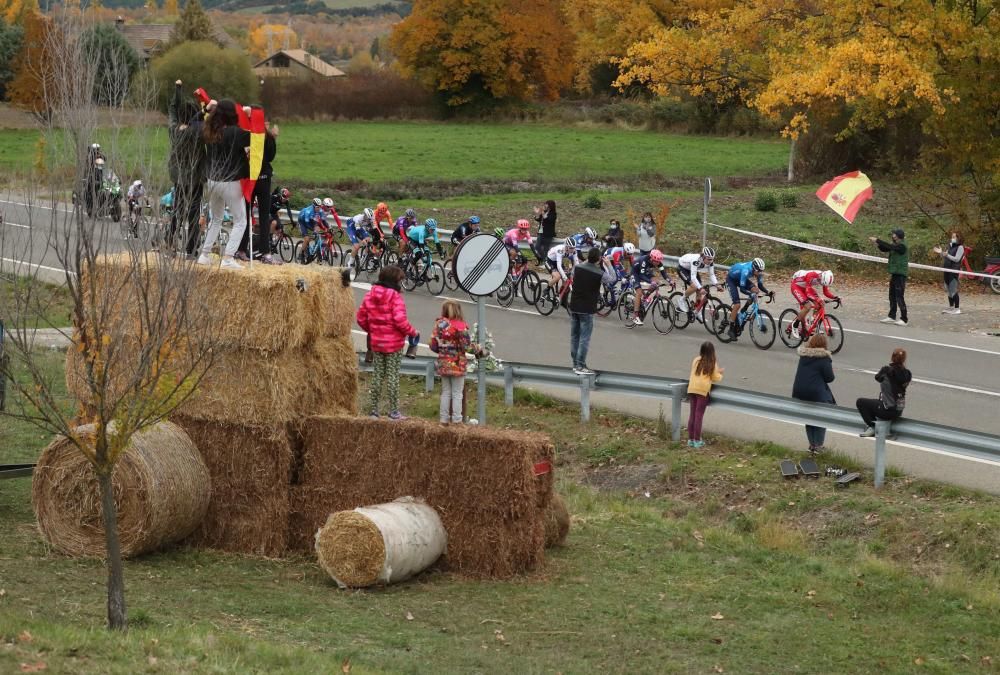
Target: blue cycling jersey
[(644, 268), (308, 214), (418, 234), (740, 274)]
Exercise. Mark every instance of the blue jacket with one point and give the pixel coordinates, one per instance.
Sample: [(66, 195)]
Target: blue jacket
[(418, 234), (740, 274), (307, 215)]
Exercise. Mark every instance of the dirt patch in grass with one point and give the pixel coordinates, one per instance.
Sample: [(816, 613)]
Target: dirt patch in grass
[(634, 480)]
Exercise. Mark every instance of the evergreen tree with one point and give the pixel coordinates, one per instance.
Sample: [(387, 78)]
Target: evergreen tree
[(10, 45), (115, 61), (193, 25)]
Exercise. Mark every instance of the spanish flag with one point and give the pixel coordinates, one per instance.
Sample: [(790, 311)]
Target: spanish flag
[(845, 194), (254, 123)]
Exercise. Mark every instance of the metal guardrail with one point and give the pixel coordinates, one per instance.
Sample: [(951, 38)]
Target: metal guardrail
[(974, 445), (16, 470)]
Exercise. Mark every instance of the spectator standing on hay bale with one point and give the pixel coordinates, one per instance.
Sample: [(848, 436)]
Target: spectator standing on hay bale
[(705, 371), (186, 164), (262, 195), (226, 164), (451, 341), (383, 316)]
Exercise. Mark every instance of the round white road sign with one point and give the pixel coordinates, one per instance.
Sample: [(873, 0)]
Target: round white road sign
[(481, 264)]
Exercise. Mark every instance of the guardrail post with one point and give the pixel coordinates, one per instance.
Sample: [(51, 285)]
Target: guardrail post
[(508, 385), (881, 431), (429, 377), (586, 382), (676, 397)]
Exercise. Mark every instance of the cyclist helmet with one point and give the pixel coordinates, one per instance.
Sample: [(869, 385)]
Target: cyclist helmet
[(826, 278), (431, 224), (569, 243), (137, 182), (328, 203), (285, 193), (381, 206), (473, 220), (95, 146), (499, 233), (656, 256), (523, 224), (629, 248), (589, 232), (410, 213), (708, 253), (758, 264), (317, 201), (369, 215)]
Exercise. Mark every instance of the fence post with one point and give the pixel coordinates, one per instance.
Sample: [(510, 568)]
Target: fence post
[(429, 377), (676, 396), (881, 431), (508, 385), (585, 383)]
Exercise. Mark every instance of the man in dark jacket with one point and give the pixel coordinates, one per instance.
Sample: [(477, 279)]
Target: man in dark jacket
[(262, 195), (585, 295), (899, 263), (187, 169)]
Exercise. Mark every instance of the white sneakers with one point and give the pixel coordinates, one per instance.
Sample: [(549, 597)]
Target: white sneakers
[(900, 323), (951, 310), (230, 264), (204, 260), (888, 319)]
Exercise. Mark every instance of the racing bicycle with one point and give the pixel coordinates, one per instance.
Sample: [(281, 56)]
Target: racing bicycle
[(820, 322), (759, 321)]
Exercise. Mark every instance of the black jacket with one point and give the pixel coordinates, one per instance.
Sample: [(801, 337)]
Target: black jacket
[(893, 381), (186, 162), (227, 160), (270, 150), (813, 376), (546, 224), (586, 289)]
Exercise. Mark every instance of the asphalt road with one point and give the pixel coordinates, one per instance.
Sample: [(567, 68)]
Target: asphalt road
[(956, 374)]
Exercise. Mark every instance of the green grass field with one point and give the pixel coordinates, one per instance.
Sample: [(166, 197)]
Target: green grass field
[(724, 567)]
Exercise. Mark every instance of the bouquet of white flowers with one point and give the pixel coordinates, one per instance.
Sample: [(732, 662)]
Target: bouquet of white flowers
[(489, 359)]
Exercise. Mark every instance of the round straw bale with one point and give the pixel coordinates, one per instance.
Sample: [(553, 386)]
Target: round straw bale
[(383, 544), (556, 522), (161, 486)]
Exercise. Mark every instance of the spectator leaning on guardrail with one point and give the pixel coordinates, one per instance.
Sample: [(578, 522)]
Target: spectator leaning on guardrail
[(585, 294), (704, 371), (546, 217), (893, 380), (812, 382)]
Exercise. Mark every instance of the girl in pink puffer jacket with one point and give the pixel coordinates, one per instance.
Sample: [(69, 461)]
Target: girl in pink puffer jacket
[(383, 316)]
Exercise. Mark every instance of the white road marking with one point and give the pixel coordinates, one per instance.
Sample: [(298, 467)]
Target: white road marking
[(7, 222), (923, 342), (933, 383), (36, 266), (922, 448), (37, 206)]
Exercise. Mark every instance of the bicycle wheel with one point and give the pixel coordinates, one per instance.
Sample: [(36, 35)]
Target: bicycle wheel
[(547, 299), (336, 255), (661, 312), (391, 258), (720, 324), (626, 308), (785, 321), (435, 278), (286, 248), (411, 278), (607, 303), (450, 280), (297, 251), (529, 286), (505, 294), (680, 317), (834, 333), (762, 329)]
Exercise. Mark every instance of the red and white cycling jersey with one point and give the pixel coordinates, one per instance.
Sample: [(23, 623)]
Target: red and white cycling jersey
[(803, 283)]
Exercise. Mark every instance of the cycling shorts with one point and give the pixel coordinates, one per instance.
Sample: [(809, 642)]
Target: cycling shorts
[(306, 228), (803, 294), (685, 275), (356, 235), (551, 266), (734, 290)]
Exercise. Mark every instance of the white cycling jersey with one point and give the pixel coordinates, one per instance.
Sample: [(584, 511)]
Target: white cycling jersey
[(556, 255), (136, 191), (692, 263)]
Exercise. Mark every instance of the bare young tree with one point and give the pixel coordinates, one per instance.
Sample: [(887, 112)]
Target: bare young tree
[(143, 341)]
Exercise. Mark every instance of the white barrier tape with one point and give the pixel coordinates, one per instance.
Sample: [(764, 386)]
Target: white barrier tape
[(846, 254)]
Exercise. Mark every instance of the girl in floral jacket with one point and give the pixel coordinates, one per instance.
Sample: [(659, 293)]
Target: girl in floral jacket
[(383, 316), (451, 341)]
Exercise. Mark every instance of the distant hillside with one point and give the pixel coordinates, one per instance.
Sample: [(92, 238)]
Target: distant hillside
[(333, 7)]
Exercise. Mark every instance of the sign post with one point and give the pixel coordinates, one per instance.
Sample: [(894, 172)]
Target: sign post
[(481, 266), (704, 217)]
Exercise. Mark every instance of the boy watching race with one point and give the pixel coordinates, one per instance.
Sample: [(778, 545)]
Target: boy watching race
[(689, 269), (804, 292), (747, 277), (642, 273)]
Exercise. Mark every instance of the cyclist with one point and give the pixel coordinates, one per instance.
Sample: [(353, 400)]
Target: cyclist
[(747, 277), (402, 224), (642, 275), (466, 229), (418, 236), (377, 237), (615, 236), (382, 215), (136, 192), (357, 231), (619, 257), (280, 199), (554, 259), (804, 292), (689, 269), (513, 237), (585, 241), (329, 208), (309, 217)]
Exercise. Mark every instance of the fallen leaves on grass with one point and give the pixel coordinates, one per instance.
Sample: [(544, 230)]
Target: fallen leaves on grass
[(25, 636), (35, 667), (345, 667), (919, 661), (718, 616), (409, 616)]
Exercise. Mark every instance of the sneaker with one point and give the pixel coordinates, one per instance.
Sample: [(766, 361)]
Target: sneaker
[(900, 323), (586, 371), (698, 444), (230, 264), (240, 255), (396, 415), (815, 449), (947, 311), (577, 370), (369, 357), (690, 443), (204, 260), (636, 321), (869, 432), (887, 319), (955, 311), (270, 260)]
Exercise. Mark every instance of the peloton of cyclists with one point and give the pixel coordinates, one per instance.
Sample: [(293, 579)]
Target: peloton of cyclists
[(642, 275), (689, 268), (748, 278), (804, 291)]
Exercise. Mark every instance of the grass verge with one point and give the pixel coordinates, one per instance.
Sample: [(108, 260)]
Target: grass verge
[(723, 567)]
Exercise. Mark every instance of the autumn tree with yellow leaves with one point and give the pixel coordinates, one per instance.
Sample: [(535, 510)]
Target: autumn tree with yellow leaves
[(268, 38)]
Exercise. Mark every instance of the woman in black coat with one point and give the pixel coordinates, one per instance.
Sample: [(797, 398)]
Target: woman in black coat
[(812, 382)]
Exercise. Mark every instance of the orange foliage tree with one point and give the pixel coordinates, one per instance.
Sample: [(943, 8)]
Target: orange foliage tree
[(266, 39), (14, 11), (492, 49), (34, 70)]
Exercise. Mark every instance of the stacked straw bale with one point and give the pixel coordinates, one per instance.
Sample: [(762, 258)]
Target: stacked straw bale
[(161, 486), (481, 482), (270, 370)]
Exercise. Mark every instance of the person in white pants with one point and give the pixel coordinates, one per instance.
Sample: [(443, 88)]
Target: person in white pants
[(451, 342), (227, 163)]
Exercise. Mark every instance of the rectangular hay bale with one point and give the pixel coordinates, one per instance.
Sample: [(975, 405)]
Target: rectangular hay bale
[(251, 469), (481, 481)]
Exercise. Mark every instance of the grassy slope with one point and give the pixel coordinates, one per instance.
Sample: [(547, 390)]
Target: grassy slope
[(805, 578)]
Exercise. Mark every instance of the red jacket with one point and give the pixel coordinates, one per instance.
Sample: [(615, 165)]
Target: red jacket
[(383, 316)]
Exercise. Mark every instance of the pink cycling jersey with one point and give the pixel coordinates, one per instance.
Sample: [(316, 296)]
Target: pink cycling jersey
[(515, 236)]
